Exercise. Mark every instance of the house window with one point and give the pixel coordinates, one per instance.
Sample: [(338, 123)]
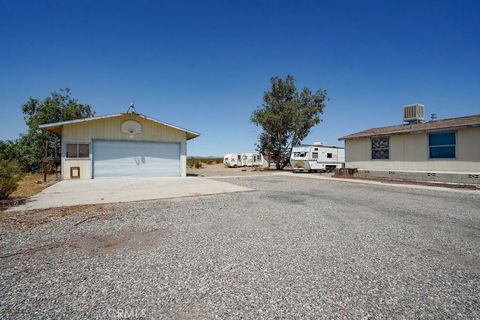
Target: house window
[(72, 150), (329, 155), (380, 148), (83, 150), (442, 145), (78, 150), (315, 155)]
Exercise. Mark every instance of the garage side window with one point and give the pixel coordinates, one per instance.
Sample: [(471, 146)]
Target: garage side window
[(442, 145), (381, 148), (78, 150)]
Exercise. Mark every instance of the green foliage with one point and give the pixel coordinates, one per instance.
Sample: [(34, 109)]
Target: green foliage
[(211, 161), (28, 150), (286, 118), (197, 162), (192, 162), (7, 150), (10, 175)]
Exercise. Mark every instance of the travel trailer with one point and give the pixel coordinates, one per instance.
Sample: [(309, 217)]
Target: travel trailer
[(246, 159), (317, 157)]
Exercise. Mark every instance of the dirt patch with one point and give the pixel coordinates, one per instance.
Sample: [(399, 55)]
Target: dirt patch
[(220, 170), (32, 218), (137, 240)]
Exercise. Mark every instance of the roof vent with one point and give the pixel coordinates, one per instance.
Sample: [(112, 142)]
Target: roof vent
[(414, 113)]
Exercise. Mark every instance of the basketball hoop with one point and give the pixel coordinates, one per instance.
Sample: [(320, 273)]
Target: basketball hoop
[(131, 127)]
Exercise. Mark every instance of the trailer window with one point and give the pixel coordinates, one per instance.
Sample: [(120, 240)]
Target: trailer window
[(315, 155), (329, 155)]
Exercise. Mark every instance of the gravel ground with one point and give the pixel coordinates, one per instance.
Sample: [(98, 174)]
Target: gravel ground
[(294, 248)]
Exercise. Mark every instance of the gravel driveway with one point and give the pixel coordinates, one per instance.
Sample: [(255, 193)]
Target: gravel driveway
[(294, 248)]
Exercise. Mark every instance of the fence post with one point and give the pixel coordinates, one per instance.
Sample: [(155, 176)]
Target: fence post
[(45, 162)]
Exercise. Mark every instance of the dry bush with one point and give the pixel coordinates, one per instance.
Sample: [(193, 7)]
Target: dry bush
[(10, 175)]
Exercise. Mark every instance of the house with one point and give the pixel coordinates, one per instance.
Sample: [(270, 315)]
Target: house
[(121, 145), (439, 150)]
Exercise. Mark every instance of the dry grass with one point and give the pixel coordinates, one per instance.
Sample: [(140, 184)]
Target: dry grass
[(31, 184)]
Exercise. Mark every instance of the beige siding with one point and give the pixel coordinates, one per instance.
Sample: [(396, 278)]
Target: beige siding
[(85, 166), (409, 152), (357, 150), (469, 148), (109, 129)]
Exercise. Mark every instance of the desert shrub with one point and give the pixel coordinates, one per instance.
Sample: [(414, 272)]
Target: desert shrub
[(191, 162), (198, 165), (300, 165), (10, 175)]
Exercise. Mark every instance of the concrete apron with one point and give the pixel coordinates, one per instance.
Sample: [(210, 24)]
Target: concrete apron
[(381, 183), (99, 191)]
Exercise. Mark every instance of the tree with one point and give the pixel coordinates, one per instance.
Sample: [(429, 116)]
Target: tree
[(59, 106), (286, 118), (7, 150)]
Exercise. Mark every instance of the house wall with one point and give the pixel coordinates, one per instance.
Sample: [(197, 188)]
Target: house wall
[(109, 129), (409, 152)]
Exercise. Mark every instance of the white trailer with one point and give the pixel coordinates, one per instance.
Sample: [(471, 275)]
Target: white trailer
[(317, 157), (245, 159), (232, 160)]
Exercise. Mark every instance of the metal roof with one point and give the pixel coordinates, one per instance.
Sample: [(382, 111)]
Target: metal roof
[(444, 124), (57, 125)]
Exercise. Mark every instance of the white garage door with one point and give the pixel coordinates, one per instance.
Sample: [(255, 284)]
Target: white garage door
[(135, 159)]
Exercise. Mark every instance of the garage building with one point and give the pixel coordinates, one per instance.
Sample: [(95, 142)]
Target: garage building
[(121, 145)]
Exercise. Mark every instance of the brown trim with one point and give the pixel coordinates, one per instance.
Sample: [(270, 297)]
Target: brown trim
[(71, 172), (472, 121), (436, 130)]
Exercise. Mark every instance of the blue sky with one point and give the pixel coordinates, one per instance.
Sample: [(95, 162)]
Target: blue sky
[(204, 65)]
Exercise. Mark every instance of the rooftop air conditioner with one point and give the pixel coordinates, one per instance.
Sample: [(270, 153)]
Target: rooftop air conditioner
[(414, 113)]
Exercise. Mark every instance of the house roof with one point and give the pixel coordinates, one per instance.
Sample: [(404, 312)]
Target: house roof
[(56, 127), (451, 123)]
